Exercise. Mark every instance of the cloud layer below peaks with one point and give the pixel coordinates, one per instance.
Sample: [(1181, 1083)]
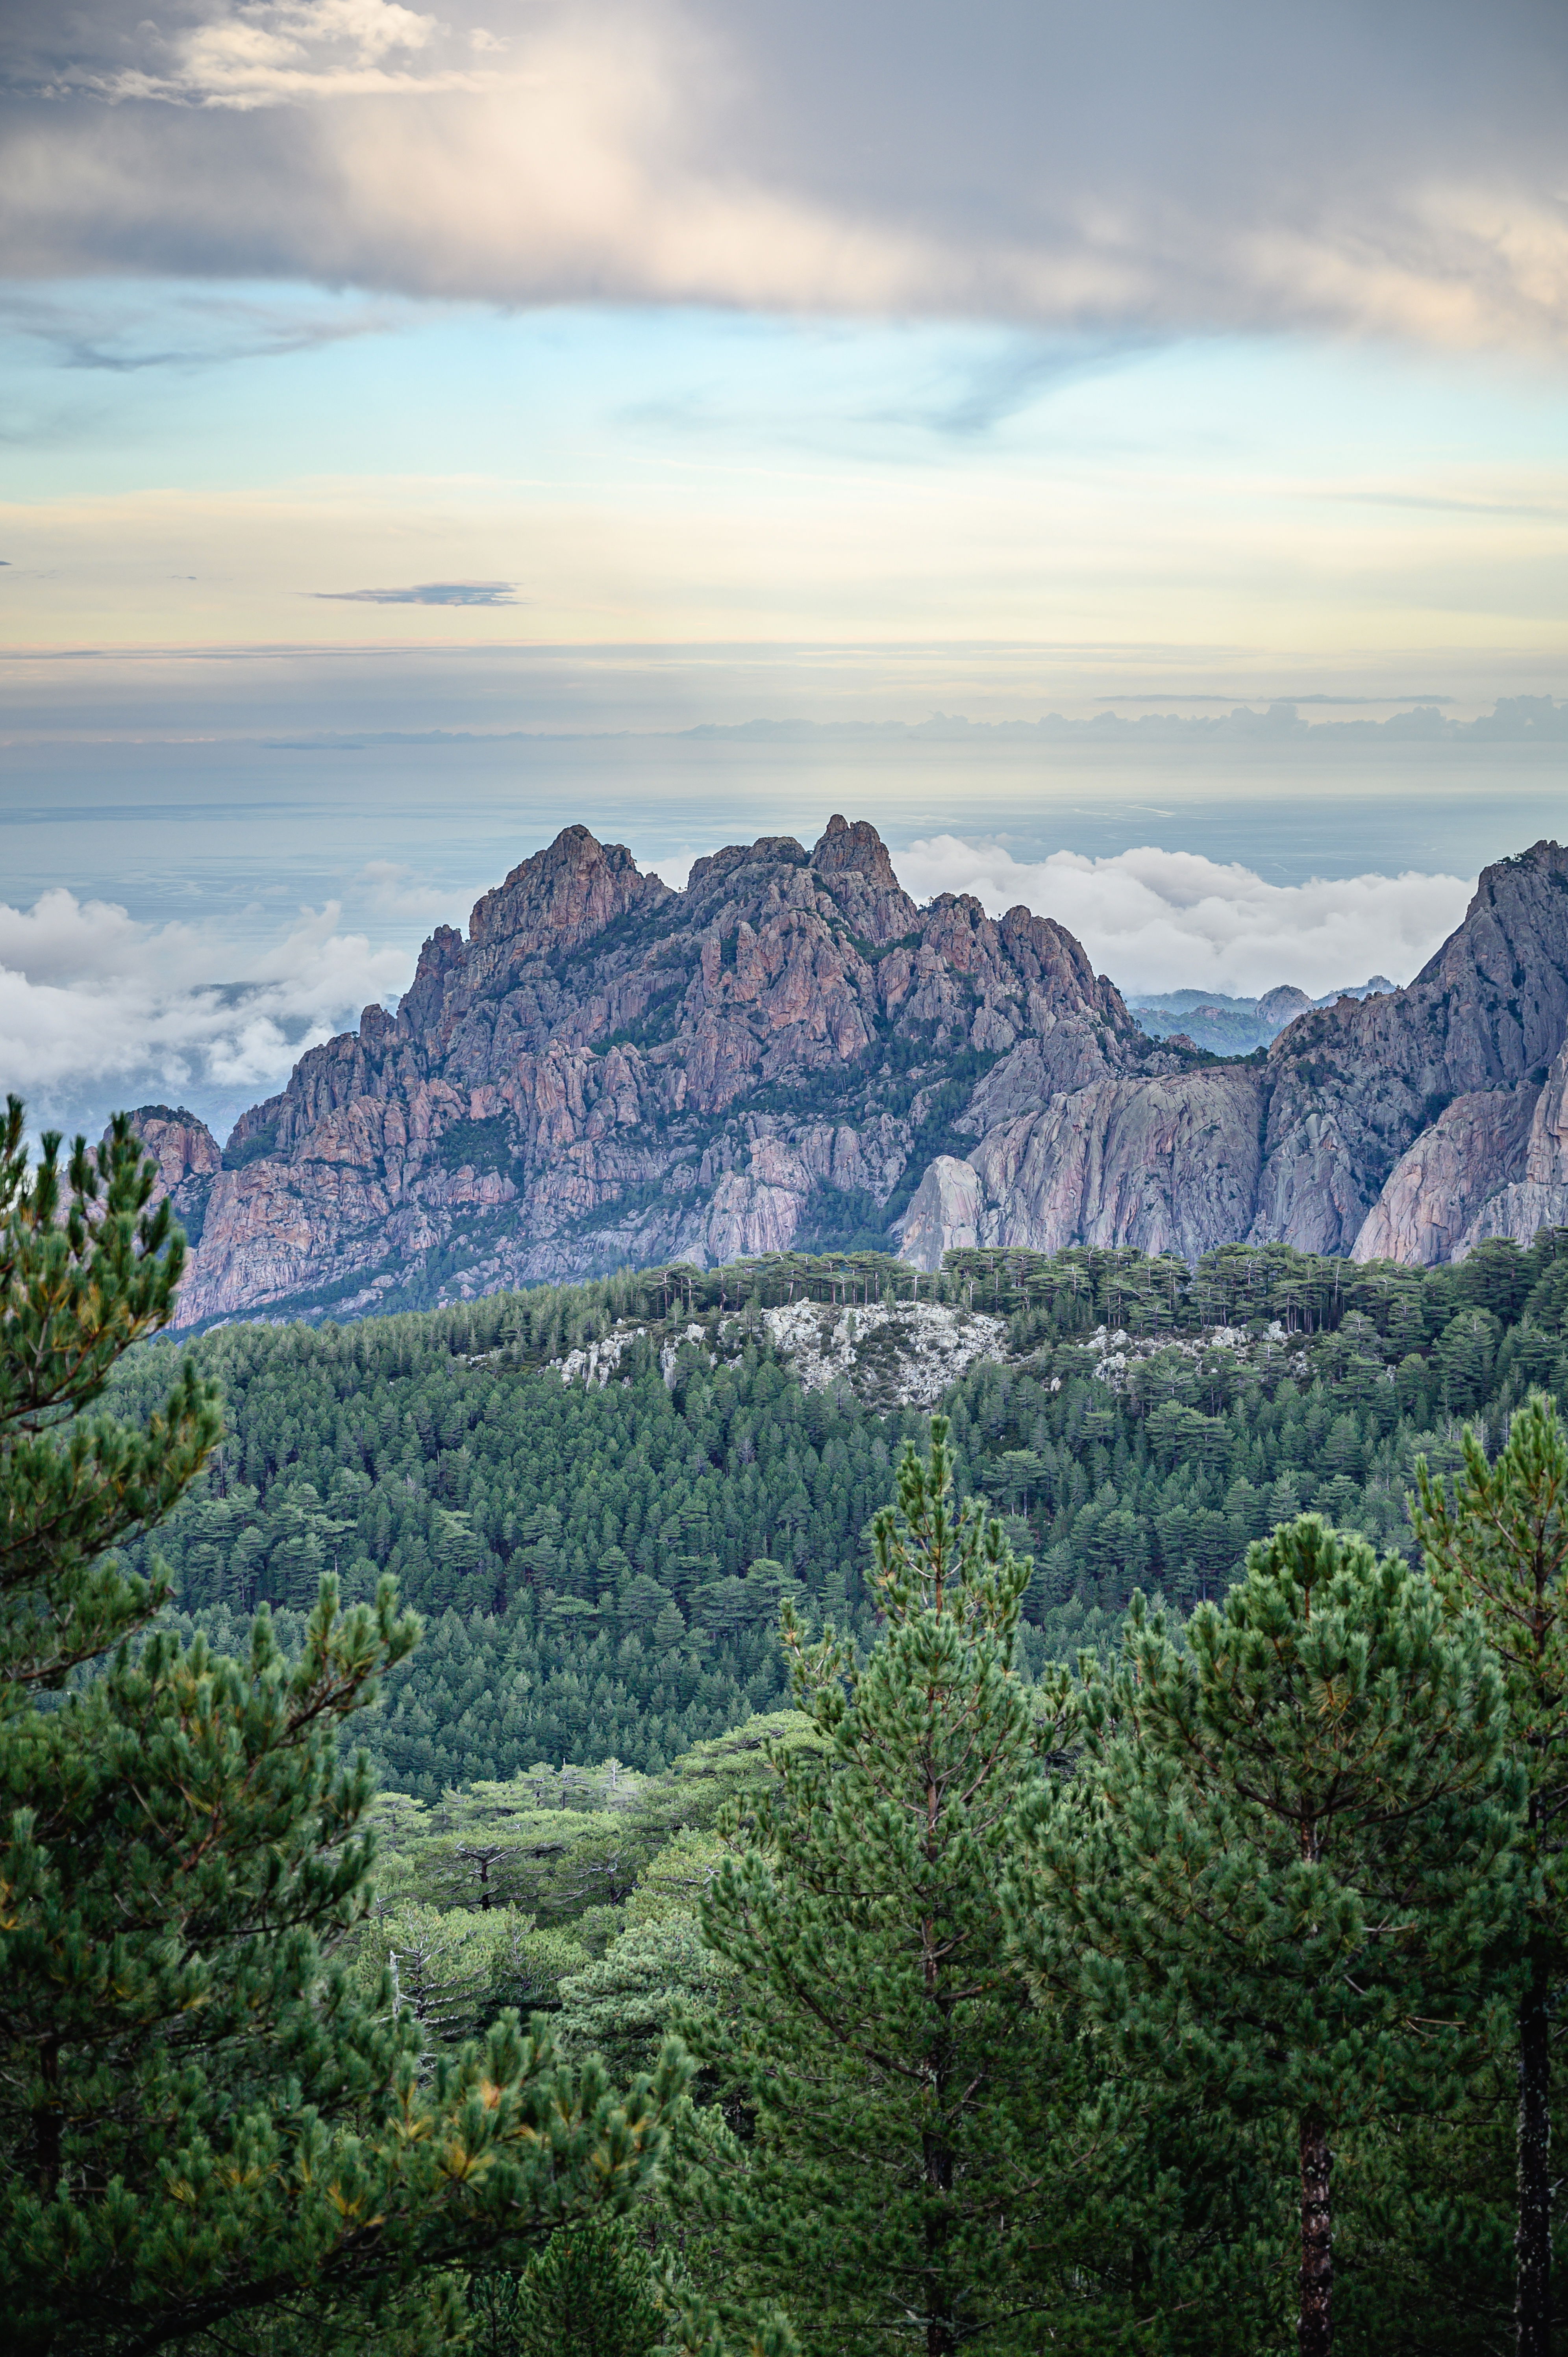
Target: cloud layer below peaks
[(97, 1010), (1318, 165), (1157, 919)]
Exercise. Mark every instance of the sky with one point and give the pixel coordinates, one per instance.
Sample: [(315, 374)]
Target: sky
[(422, 430)]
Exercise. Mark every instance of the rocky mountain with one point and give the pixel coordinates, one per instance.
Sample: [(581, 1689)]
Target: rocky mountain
[(790, 1053), (1404, 1126), (605, 1071), (1234, 1027)]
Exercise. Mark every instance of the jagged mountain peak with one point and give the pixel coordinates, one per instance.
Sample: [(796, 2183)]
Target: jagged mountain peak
[(1406, 1125), (606, 1070), (791, 1052), (1489, 1008), (563, 895), (843, 849)]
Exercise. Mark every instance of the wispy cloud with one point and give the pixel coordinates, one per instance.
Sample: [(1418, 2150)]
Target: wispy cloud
[(1187, 695), (1157, 919), (430, 593), (394, 893), (1005, 382), (121, 331), (1529, 510)]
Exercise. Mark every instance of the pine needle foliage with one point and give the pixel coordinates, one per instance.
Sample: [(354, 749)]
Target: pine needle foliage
[(916, 2152), (198, 2120), (1276, 1877), (591, 2292), (1497, 1543), (87, 1269)]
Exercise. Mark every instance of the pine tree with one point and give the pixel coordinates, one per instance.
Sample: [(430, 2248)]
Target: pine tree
[(918, 2156), (1498, 1544), (1293, 1833), (591, 2292), (197, 2119)]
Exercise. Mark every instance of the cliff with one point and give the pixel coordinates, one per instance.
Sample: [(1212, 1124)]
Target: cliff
[(1404, 1125), (790, 1053), (605, 1071), (188, 1158)]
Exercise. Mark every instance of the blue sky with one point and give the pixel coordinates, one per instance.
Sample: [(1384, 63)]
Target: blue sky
[(217, 464)]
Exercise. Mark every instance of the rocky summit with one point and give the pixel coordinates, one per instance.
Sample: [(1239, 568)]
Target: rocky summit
[(791, 1054)]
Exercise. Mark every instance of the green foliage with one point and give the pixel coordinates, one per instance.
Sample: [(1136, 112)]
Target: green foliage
[(1266, 1900), (86, 1272), (658, 1971), (591, 2292), (477, 1145), (1496, 1540), (602, 1569), (456, 1971), (197, 2117), (1292, 1843), (259, 1140), (926, 2152), (576, 1850), (1499, 1544)]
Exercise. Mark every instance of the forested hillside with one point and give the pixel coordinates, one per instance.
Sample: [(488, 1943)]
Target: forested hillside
[(600, 1569), (1045, 1960)]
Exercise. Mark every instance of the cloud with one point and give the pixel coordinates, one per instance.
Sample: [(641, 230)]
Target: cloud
[(276, 52), (430, 593), (1163, 697), (121, 332), (97, 1010), (393, 894), (1130, 170), (1157, 919)]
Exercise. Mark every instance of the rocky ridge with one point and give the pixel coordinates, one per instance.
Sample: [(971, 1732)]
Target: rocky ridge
[(607, 1071), (1234, 1027), (894, 1354), (790, 1054), (890, 1354)]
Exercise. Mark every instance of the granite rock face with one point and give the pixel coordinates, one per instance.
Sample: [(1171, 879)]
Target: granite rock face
[(1169, 1164), (790, 1053), (605, 1071), (188, 1158), (1538, 1199), (1406, 1123), (1438, 1189)]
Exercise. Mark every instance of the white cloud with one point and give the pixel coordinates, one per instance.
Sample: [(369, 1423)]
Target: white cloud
[(1157, 919), (277, 52), (1156, 169), (394, 894), (97, 1010)]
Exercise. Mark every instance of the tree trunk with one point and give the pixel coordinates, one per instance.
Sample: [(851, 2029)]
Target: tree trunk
[(941, 2338), (1313, 2329), (46, 2121), (1532, 2236)]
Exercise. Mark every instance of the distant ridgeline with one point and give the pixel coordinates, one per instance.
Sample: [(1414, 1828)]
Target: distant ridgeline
[(601, 1565)]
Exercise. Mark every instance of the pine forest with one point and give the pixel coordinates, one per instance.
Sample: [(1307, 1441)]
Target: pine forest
[(555, 1824)]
